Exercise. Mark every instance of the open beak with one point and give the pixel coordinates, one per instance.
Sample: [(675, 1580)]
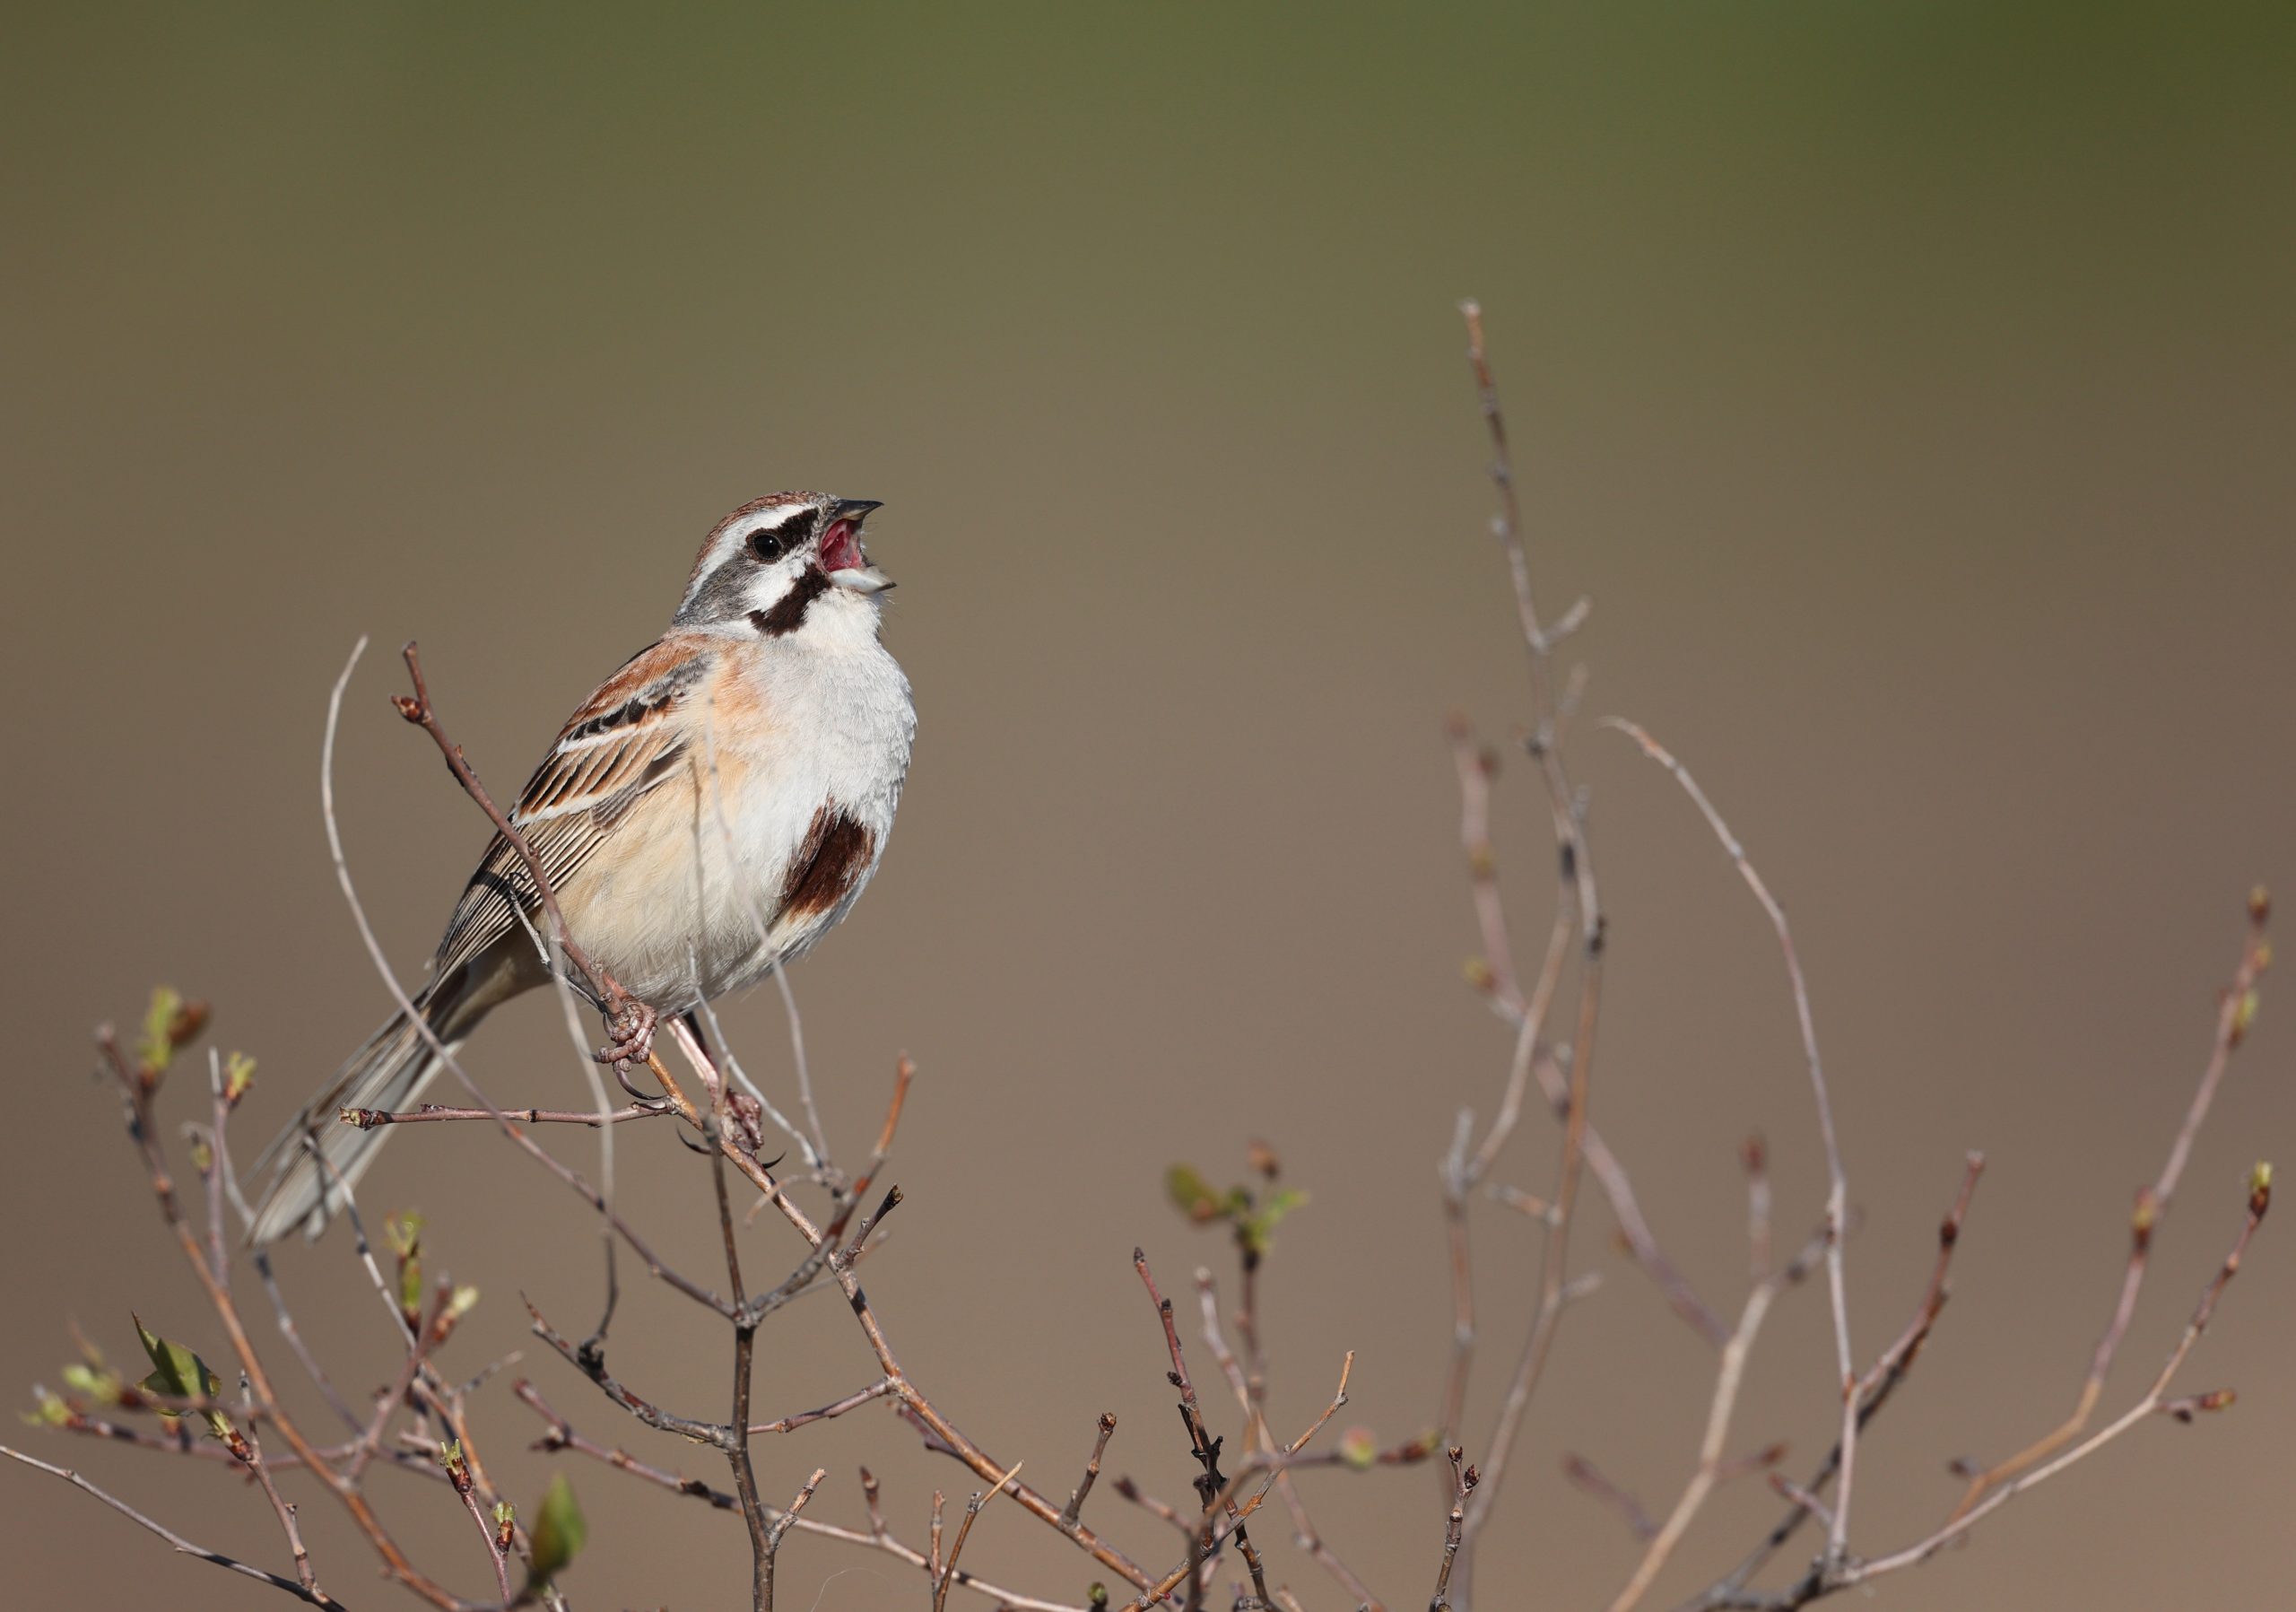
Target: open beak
[(842, 558)]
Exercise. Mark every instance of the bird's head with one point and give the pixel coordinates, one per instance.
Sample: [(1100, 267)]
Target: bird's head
[(781, 560)]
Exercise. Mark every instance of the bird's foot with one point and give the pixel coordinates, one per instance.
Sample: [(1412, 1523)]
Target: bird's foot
[(630, 1027)]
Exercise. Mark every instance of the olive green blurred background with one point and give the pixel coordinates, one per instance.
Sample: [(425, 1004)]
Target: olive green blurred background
[(1910, 386)]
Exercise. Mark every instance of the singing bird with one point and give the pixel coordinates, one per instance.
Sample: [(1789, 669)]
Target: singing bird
[(708, 815)]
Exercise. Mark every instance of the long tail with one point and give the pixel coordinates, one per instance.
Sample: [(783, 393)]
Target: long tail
[(390, 1072)]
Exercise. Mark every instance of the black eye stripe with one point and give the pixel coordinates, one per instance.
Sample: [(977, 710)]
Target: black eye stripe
[(770, 543)]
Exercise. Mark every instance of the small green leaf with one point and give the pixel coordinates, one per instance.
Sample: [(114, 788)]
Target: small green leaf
[(1359, 1447), (93, 1382), (183, 1375), (403, 1234), (47, 1410), (1191, 1194), (239, 1074), (156, 1048), (558, 1532), (461, 1302), (1257, 1230)]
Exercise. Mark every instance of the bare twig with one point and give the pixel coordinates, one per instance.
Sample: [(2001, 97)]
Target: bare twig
[(1203, 1445), (835, 1408), (1728, 1376), (1874, 1389), (456, 1464), (2154, 1399), (368, 1118), (560, 1434), (1837, 1183), (2235, 1010), (956, 1546), (1582, 913), (1463, 1480), (1261, 1444), (137, 1094), (779, 1526), (438, 1048), (1075, 1506), (1585, 1475), (302, 1592)]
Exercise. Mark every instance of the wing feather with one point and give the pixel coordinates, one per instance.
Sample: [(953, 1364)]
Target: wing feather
[(623, 742)]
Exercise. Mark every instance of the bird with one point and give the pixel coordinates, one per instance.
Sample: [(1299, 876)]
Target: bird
[(703, 818)]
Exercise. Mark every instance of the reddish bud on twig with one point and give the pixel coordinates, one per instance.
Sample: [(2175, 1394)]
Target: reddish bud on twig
[(2185, 1409), (2141, 1222), (2244, 1015)]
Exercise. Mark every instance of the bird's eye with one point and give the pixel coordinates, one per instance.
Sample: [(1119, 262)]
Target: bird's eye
[(770, 543)]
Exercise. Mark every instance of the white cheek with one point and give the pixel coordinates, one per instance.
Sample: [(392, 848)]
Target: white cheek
[(772, 584)]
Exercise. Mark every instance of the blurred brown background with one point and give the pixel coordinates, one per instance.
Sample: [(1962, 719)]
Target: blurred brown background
[(1909, 386)]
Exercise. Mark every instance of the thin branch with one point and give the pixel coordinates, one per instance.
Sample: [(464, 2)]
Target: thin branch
[(438, 1048), (593, 1367), (2235, 1010), (1477, 766), (368, 1118), (300, 1591), (136, 1095), (798, 1058), (1579, 910), (1463, 1480), (1075, 1506), (417, 710), (2154, 1399), (1838, 1184), (560, 1436), (1203, 1445), (956, 1546), (779, 1526), (456, 1464), (1305, 1535), (261, 1260), (1874, 1389), (837, 1408), (287, 1524), (1583, 1475), (1268, 1468), (762, 1540), (1728, 1377)]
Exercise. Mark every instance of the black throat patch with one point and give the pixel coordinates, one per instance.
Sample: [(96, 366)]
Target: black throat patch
[(788, 613)]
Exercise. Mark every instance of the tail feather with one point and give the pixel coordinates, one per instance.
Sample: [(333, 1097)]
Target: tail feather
[(389, 1072)]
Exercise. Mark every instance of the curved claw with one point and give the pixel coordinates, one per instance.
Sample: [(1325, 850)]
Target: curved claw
[(622, 1078)]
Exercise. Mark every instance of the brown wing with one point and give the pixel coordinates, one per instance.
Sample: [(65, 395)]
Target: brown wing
[(621, 744)]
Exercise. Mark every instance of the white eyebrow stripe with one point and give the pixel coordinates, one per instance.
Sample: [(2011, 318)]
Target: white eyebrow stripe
[(727, 548)]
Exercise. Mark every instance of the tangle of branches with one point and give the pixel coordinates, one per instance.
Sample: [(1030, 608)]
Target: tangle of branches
[(1178, 1554)]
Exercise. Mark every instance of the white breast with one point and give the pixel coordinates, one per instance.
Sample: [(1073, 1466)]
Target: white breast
[(832, 726)]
